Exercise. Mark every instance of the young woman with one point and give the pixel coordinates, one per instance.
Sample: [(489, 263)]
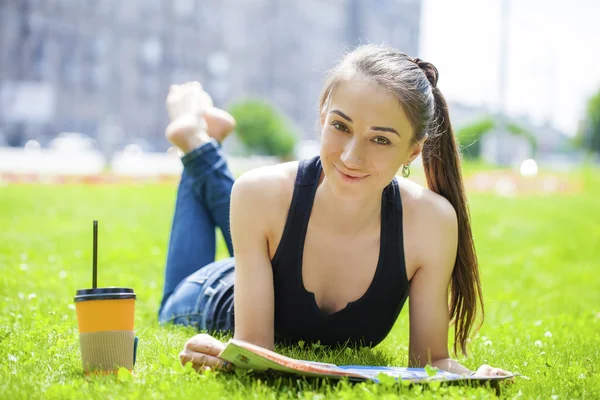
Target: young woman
[(329, 248)]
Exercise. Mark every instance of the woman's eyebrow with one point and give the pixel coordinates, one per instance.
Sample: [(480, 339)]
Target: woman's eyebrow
[(341, 114), (375, 128), (384, 129)]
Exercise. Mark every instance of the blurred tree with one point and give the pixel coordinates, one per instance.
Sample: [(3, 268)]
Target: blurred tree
[(588, 136), (469, 136), (262, 129)]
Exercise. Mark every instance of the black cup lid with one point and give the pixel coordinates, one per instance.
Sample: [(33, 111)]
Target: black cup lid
[(107, 293)]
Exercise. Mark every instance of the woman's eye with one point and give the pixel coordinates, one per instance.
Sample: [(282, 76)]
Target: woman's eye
[(381, 140), (339, 126)]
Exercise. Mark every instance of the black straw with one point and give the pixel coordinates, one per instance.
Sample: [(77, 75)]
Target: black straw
[(95, 262)]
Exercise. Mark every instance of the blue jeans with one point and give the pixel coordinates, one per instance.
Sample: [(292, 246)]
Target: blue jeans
[(198, 291)]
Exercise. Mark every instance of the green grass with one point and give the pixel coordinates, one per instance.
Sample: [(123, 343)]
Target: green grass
[(539, 260)]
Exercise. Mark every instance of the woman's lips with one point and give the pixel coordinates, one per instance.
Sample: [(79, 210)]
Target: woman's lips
[(349, 178)]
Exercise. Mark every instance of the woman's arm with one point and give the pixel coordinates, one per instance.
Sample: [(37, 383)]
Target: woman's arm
[(428, 301), (254, 293)]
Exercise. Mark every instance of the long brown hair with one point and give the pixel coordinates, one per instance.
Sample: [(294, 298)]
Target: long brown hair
[(414, 83)]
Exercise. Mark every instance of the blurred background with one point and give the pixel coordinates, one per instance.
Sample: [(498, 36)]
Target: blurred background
[(83, 82)]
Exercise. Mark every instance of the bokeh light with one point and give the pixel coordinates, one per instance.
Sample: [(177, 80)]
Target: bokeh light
[(529, 167)]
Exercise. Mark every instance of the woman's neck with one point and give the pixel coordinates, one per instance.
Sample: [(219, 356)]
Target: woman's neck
[(351, 212)]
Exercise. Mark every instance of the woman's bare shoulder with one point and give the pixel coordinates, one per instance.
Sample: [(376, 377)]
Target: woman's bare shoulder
[(269, 185), (422, 202), (432, 223), (270, 178)]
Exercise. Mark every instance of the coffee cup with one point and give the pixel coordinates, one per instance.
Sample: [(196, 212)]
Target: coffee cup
[(105, 318)]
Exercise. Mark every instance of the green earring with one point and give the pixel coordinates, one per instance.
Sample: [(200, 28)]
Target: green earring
[(406, 171)]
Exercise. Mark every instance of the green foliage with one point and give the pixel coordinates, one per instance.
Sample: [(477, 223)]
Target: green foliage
[(262, 129), (589, 137), (470, 136), (431, 371), (538, 257)]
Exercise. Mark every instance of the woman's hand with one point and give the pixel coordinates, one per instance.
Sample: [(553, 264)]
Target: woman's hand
[(486, 370), (202, 351)]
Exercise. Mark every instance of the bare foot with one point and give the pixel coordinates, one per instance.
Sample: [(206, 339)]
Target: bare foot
[(219, 123), (187, 105), (187, 133)]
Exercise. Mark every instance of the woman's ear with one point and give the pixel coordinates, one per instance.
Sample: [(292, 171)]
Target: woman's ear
[(416, 150)]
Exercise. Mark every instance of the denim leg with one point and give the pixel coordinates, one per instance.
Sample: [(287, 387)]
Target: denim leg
[(212, 184), (202, 204), (204, 299)]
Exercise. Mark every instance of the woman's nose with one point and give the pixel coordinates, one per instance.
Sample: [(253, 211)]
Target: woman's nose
[(353, 154)]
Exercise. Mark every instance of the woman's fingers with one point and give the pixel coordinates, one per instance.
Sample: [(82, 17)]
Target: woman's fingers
[(204, 343), (499, 372), (201, 361), (202, 351), (486, 370)]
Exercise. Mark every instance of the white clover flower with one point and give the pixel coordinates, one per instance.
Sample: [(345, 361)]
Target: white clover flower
[(488, 343), (71, 306), (538, 323), (12, 358), (24, 267), (63, 274), (32, 296), (548, 334), (538, 343)]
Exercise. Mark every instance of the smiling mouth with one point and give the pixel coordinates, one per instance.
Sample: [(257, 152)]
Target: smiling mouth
[(350, 178)]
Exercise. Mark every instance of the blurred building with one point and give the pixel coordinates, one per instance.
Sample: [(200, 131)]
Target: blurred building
[(553, 146), (103, 67)]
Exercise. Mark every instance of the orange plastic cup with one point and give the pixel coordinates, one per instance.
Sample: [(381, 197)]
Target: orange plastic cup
[(105, 317)]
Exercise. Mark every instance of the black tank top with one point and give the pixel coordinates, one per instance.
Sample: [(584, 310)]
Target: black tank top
[(366, 321)]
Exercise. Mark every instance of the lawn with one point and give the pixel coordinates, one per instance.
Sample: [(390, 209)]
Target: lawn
[(539, 256)]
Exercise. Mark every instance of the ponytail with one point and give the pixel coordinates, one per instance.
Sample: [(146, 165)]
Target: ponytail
[(441, 161)]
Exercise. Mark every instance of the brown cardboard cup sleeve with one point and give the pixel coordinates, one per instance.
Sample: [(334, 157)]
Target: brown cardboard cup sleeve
[(107, 350)]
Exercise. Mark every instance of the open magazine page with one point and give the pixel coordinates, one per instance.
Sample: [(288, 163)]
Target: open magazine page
[(411, 374), (248, 356)]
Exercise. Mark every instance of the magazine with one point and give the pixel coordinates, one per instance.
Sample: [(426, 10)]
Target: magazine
[(248, 356)]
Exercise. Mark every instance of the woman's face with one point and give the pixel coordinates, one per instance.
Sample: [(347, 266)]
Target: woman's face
[(366, 137)]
